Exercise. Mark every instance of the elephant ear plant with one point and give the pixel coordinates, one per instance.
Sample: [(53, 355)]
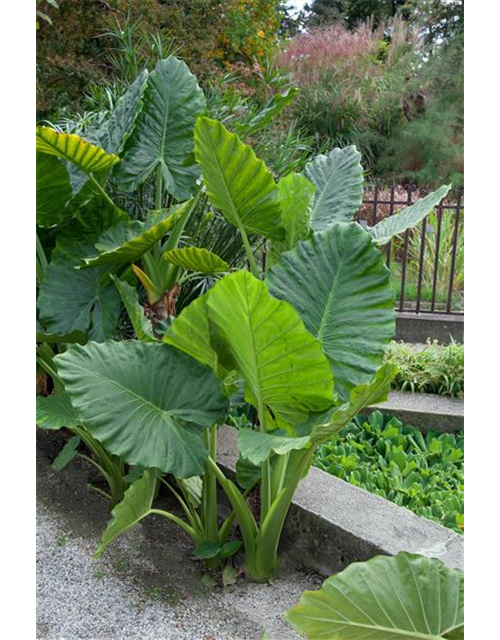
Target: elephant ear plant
[(304, 339)]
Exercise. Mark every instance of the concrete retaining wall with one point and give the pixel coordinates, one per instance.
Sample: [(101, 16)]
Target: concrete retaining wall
[(418, 327), (332, 523)]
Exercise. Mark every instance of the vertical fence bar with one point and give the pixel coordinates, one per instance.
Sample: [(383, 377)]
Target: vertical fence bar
[(421, 265), (405, 258), (389, 244), (375, 205), (436, 260), (454, 251)]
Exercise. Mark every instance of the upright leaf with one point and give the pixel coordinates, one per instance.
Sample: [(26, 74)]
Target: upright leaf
[(163, 134), (116, 130), (339, 284), (237, 182), (338, 178), (407, 217), (386, 598), (53, 190), (72, 148), (135, 506), (67, 454), (145, 402), (296, 194), (264, 339), (142, 325)]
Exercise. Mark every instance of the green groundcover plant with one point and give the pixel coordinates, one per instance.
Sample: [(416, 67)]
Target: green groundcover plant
[(395, 461), (434, 369), (302, 338), (406, 596)]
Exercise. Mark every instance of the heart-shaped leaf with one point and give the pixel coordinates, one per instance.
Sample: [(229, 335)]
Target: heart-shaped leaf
[(386, 598), (145, 402), (339, 284), (237, 182), (338, 178), (163, 133)]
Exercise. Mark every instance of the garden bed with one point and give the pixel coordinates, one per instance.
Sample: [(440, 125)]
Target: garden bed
[(396, 462), (148, 585)]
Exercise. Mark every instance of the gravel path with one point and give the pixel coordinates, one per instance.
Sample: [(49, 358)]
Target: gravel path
[(147, 584)]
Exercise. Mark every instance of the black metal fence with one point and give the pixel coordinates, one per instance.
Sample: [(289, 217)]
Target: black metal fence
[(426, 263)]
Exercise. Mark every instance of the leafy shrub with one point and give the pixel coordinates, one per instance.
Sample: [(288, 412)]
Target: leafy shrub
[(395, 461), (435, 369)]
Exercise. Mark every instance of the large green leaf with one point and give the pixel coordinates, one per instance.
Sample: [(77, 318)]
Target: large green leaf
[(56, 411), (338, 178), (264, 339), (116, 130), (129, 240), (145, 402), (256, 446), (163, 134), (237, 182), (406, 597), (360, 397), (197, 259), (80, 300), (296, 195), (72, 148), (339, 284), (407, 217), (135, 506), (53, 190)]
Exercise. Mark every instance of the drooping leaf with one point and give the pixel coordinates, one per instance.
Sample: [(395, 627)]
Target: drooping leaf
[(72, 300), (296, 195), (142, 325), (386, 598), (338, 178), (56, 411), (237, 182), (197, 259), (116, 130), (339, 284), (163, 133), (129, 240), (257, 447), (267, 114), (72, 148), (264, 339), (77, 300), (145, 402), (407, 217), (67, 454), (54, 338), (135, 506), (360, 397), (53, 190)]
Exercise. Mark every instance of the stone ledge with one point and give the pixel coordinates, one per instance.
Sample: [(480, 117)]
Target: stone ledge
[(333, 523), (424, 410), (418, 327)]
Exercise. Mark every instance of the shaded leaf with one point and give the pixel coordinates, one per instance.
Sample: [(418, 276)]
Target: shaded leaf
[(53, 190), (56, 411), (267, 114), (257, 447), (67, 454), (142, 325)]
